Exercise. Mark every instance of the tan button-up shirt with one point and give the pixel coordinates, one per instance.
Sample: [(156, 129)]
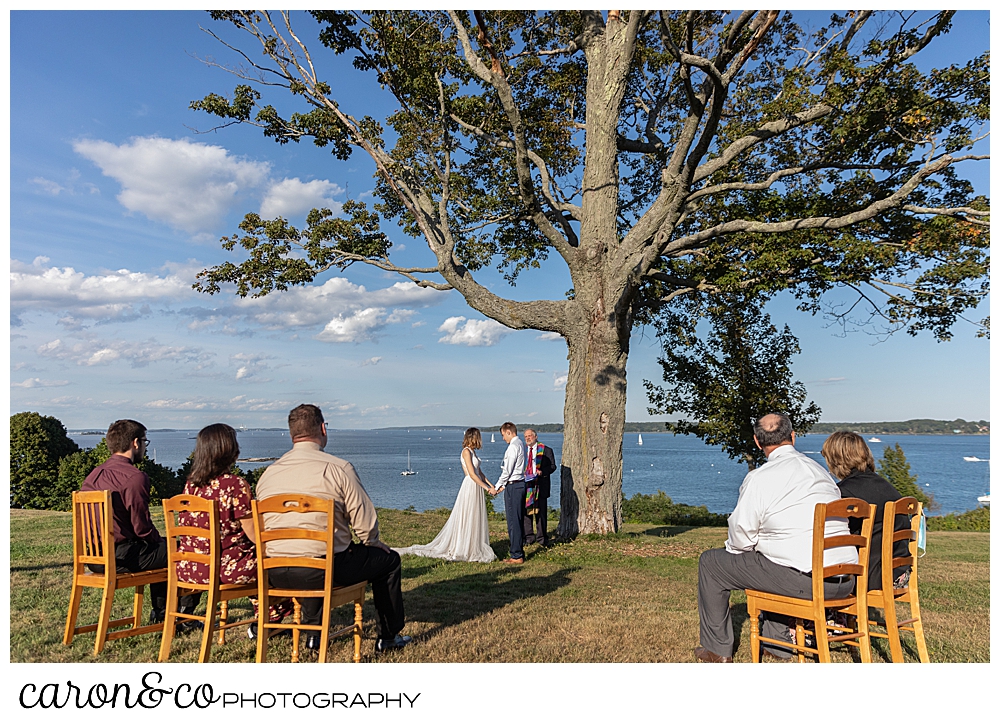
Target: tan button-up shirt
[(308, 470)]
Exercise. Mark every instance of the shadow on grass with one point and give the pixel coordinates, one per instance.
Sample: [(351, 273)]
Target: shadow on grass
[(451, 602), (30, 568), (666, 531)]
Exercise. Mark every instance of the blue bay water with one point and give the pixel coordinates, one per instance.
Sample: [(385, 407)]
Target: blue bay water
[(685, 468)]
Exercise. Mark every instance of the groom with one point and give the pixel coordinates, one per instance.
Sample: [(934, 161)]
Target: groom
[(512, 483)]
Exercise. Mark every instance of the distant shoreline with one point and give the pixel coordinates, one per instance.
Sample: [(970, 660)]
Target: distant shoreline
[(957, 427)]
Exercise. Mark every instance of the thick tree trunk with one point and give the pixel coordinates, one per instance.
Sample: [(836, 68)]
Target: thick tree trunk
[(594, 421)]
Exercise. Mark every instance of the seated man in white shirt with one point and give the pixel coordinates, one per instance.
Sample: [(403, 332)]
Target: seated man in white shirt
[(770, 541)]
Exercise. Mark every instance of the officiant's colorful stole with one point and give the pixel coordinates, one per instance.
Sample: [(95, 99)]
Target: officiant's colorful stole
[(531, 491)]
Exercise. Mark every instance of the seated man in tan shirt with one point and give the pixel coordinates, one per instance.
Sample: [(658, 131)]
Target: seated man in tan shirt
[(308, 470)]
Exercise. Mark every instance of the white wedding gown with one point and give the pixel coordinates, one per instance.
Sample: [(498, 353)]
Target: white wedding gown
[(465, 537)]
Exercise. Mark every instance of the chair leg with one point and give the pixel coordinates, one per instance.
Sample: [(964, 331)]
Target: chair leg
[(822, 639), (918, 623), (263, 600), (800, 639), (754, 617), (865, 641), (140, 592), (297, 618), (208, 629), (223, 619), (357, 628), (74, 611), (892, 629), (169, 622), (324, 636), (104, 621)]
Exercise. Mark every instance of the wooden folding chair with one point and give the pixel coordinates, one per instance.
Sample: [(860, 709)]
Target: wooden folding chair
[(94, 544), (331, 595), (819, 608), (217, 592), (887, 596)]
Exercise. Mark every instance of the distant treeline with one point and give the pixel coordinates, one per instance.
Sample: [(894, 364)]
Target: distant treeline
[(911, 426)]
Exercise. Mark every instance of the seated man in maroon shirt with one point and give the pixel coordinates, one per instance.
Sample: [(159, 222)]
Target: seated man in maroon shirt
[(138, 545)]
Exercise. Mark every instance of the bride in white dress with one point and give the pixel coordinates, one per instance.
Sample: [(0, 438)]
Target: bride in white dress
[(465, 536)]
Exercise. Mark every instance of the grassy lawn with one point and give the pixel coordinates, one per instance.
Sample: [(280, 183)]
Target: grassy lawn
[(630, 597)]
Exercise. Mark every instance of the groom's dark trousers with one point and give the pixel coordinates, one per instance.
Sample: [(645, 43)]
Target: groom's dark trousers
[(513, 505)]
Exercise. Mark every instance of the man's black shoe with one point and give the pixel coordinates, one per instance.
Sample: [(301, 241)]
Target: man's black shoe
[(311, 640), (252, 632), (188, 626), (400, 641), (157, 616)]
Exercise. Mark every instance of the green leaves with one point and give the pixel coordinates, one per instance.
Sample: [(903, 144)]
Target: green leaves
[(280, 255), (724, 383)]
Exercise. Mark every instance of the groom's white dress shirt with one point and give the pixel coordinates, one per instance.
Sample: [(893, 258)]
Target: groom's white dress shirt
[(512, 468)]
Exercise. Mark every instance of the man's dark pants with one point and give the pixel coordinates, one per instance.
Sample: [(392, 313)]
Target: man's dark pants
[(720, 571), (513, 505), (536, 526), (139, 556), (357, 563), (142, 555)]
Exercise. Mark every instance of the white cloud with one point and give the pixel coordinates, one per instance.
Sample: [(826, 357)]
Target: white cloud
[(111, 295), (36, 382), (336, 298), (359, 326), (251, 366), (47, 186), (486, 332), (549, 336), (371, 362), (559, 381), (94, 352), (191, 186), (291, 197)]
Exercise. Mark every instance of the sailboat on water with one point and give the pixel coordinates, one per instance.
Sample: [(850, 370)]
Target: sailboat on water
[(408, 471), (640, 440), (493, 438)]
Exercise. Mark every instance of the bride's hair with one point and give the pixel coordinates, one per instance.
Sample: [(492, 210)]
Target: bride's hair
[(472, 438)]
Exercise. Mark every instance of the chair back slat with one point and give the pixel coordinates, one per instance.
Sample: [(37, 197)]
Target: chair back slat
[(903, 506), (93, 533), (848, 507), (192, 504)]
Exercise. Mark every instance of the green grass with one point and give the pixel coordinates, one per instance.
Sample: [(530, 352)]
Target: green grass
[(629, 597)]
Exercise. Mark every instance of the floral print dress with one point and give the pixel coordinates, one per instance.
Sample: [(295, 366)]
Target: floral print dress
[(238, 556)]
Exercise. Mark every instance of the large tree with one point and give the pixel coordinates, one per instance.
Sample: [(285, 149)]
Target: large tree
[(654, 153), (37, 443)]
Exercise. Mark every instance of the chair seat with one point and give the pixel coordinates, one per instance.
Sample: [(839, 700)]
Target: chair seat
[(802, 602), (123, 579)]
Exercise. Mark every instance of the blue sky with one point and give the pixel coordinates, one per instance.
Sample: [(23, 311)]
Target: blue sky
[(116, 202)]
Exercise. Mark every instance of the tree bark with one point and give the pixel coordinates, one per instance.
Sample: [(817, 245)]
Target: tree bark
[(593, 425)]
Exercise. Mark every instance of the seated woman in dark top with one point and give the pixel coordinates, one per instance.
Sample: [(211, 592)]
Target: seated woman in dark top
[(850, 460), (215, 452)]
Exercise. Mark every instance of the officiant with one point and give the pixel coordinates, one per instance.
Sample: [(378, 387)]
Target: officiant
[(539, 466)]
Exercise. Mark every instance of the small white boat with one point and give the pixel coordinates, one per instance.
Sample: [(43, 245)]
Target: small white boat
[(493, 438), (640, 440), (974, 459), (984, 500), (408, 471), (874, 439)]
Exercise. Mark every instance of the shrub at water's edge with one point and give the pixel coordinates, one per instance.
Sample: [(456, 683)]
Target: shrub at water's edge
[(977, 520), (894, 467), (659, 509)]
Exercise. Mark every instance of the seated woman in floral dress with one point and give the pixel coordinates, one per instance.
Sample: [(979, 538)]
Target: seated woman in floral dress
[(215, 452)]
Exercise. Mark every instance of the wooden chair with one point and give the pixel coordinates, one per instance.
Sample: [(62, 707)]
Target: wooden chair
[(217, 592), (94, 544), (818, 609), (332, 596), (887, 596)]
